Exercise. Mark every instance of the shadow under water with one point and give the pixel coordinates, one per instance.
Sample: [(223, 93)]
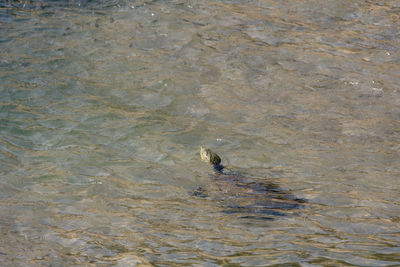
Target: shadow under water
[(249, 196)]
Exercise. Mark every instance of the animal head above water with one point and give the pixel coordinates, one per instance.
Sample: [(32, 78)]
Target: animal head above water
[(208, 156)]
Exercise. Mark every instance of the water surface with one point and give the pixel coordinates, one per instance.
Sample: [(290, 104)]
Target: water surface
[(104, 104)]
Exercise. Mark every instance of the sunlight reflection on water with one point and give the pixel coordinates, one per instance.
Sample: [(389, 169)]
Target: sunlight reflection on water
[(103, 107)]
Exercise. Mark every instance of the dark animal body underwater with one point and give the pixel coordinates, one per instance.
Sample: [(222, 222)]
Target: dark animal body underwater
[(248, 195)]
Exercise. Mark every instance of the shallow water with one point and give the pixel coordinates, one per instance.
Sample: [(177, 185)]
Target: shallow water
[(103, 107)]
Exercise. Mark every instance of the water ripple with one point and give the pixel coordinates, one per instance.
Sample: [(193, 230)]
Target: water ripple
[(103, 106)]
